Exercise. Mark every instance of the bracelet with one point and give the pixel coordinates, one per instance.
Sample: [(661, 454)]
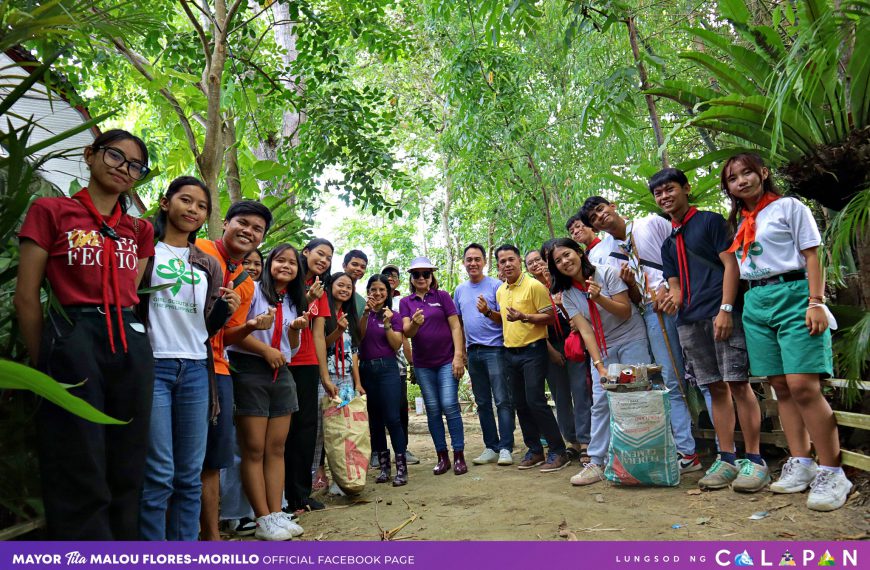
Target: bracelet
[(597, 362), (487, 313), (819, 299)]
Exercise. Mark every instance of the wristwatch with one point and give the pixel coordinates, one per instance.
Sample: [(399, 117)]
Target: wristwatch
[(487, 313), (727, 308)]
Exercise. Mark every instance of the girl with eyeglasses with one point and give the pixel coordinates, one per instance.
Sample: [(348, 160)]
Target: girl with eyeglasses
[(430, 320), (93, 254)]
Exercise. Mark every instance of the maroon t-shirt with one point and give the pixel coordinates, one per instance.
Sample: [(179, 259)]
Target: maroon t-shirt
[(65, 229)]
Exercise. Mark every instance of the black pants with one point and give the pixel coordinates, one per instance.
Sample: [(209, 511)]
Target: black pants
[(403, 411), (92, 474), (302, 437), (527, 368), (383, 385)]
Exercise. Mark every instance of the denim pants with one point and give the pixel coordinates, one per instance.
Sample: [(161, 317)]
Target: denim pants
[(635, 352), (526, 368), (681, 420), (170, 503), (489, 382), (441, 396), (383, 385)]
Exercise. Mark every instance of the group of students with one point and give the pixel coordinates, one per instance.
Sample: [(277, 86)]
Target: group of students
[(199, 345)]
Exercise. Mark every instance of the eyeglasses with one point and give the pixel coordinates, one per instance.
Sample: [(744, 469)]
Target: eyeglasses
[(116, 159), (421, 274)]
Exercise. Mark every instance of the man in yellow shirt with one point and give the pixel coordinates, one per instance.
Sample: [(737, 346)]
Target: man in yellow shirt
[(526, 310)]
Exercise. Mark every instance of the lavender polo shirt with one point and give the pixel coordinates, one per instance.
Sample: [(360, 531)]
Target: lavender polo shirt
[(433, 343), (375, 344)]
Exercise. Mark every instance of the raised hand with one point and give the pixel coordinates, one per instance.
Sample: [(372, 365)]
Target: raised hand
[(627, 275), (342, 322), (418, 318), (264, 321), (514, 315), (232, 298), (301, 322), (481, 304), (316, 289), (388, 316), (593, 288)]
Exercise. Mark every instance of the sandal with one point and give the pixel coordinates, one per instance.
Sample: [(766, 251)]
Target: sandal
[(584, 456)]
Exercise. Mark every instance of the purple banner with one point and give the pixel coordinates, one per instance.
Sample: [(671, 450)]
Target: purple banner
[(432, 555)]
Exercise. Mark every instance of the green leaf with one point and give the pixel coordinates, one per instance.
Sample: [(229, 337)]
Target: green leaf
[(15, 376), (154, 289)]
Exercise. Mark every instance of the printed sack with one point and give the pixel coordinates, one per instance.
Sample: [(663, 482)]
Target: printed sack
[(346, 441), (642, 449)]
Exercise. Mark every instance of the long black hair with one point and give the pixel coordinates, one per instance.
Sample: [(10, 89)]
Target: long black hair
[(295, 289), (386, 281), (160, 220), (349, 308), (313, 244), (755, 163), (558, 280), (114, 135)]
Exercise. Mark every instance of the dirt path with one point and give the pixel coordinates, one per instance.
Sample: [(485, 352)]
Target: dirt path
[(503, 503)]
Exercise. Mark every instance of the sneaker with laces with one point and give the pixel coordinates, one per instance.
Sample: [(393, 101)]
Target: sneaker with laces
[(719, 475), (828, 491), (284, 520), (689, 463), (505, 457), (555, 462), (751, 478), (410, 458), (531, 460), (270, 528), (591, 473), (795, 477), (488, 456)]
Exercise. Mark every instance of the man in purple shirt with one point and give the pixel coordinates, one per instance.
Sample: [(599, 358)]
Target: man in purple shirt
[(481, 319)]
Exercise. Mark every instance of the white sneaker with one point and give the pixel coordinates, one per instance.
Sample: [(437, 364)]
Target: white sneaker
[(795, 477), (828, 491), (289, 523), (334, 489), (410, 458), (505, 457), (270, 528), (591, 473), (488, 456)]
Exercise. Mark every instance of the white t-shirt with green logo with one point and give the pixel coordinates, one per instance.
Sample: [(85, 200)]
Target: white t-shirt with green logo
[(176, 320), (783, 228)]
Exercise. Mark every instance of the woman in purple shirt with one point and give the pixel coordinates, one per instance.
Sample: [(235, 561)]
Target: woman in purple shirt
[(429, 318), (381, 332)]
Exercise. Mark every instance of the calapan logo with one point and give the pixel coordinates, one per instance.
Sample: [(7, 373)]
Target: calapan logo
[(803, 558)]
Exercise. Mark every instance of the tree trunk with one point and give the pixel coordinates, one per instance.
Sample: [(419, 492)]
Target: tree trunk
[(530, 161), (644, 85), (445, 221), (234, 178)]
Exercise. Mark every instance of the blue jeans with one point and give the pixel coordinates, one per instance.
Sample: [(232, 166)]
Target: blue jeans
[(526, 367), (441, 395), (631, 353), (170, 503), (383, 385), (489, 382), (681, 420)]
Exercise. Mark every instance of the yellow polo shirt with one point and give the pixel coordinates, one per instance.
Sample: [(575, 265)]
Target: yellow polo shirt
[(528, 296)]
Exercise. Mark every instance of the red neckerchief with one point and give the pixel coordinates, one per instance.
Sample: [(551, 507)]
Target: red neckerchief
[(278, 328), (595, 318), (595, 242), (682, 260), (232, 264), (746, 234), (110, 263), (339, 345)]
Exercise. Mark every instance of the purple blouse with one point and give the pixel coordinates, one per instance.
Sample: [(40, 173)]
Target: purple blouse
[(375, 344), (433, 343)]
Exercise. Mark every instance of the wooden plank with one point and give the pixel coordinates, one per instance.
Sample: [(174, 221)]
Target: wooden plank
[(840, 383), (858, 460), (851, 419), (21, 529), (776, 438)]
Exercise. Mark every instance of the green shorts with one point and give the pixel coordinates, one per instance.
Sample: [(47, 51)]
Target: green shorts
[(777, 337)]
